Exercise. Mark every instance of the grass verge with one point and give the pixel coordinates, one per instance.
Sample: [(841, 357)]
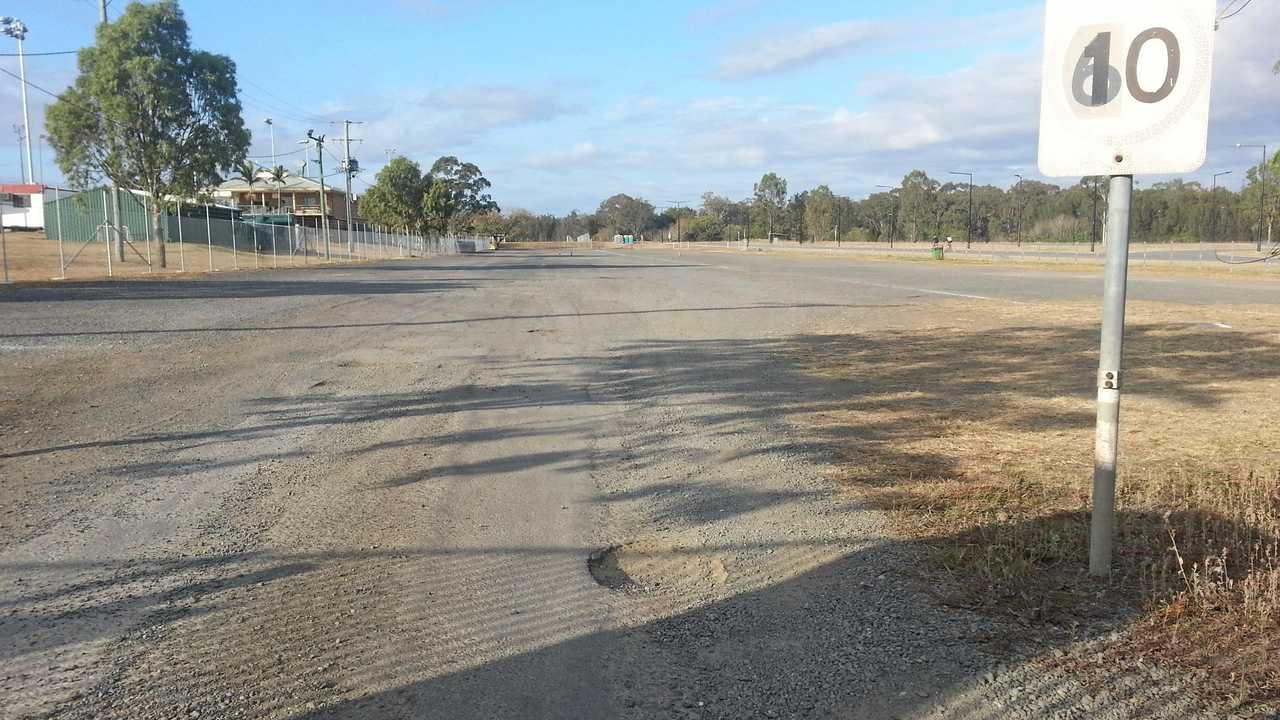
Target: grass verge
[(974, 430)]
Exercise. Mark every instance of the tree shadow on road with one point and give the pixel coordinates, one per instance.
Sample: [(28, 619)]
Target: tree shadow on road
[(838, 640), (307, 635)]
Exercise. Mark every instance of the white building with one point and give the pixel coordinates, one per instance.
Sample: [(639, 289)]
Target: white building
[(26, 210)]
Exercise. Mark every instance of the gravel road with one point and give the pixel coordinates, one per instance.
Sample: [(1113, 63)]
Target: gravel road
[(373, 491)]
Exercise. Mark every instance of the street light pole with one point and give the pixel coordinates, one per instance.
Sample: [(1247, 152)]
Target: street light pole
[(1262, 201), (968, 231), (17, 30)]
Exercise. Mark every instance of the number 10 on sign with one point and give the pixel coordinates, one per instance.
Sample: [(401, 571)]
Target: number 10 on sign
[(1125, 91), (1126, 86)]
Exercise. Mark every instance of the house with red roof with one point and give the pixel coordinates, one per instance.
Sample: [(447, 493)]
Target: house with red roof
[(22, 207)]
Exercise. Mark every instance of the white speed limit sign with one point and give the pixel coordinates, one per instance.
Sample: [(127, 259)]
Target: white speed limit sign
[(1125, 89)]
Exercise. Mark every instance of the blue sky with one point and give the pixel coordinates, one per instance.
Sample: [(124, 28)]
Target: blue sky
[(564, 103)]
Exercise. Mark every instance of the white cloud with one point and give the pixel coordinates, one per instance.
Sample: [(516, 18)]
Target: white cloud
[(795, 50), (444, 120), (571, 159)]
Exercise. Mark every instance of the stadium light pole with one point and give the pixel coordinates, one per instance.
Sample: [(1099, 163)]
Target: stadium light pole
[(893, 215), (1213, 196), (1262, 201), (272, 125), (968, 231), (16, 29)]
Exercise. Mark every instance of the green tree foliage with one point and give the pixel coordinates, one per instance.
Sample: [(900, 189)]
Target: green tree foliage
[(921, 209), (770, 198), (820, 214), (462, 193), (149, 112), (396, 198), (703, 227), (525, 226), (626, 215), (490, 224), (277, 176), (449, 198), (248, 172)]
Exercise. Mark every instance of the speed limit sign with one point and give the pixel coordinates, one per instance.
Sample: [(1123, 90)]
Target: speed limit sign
[(1125, 88)]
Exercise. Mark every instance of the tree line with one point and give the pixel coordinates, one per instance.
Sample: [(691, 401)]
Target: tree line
[(921, 208)]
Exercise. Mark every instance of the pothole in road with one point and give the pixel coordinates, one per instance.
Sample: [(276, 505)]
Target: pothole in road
[(649, 565), (604, 568)]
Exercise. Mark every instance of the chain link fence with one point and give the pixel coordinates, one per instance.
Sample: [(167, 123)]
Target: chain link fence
[(91, 235)]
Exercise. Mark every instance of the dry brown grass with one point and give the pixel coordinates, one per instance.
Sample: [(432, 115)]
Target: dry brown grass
[(1009, 259), (32, 257), (976, 432)]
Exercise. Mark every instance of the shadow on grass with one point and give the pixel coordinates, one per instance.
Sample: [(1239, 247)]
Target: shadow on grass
[(416, 632), (837, 640)]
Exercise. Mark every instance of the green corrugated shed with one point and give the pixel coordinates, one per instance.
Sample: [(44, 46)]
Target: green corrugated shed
[(79, 217)]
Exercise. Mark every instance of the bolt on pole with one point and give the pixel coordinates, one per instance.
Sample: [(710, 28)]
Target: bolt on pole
[(1102, 520)]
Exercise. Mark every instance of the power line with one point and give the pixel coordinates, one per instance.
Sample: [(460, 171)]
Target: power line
[(273, 109), (41, 54), (292, 107), (30, 84), (283, 154), (1227, 12)]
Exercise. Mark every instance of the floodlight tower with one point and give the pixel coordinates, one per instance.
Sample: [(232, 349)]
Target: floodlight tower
[(17, 30)]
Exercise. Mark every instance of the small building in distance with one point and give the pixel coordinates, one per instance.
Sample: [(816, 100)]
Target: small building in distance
[(24, 210), (297, 197)]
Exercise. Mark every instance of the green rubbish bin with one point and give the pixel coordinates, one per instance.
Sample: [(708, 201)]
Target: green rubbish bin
[(937, 253)]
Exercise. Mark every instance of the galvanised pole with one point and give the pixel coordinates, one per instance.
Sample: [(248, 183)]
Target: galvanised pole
[(208, 235), (62, 258), (1102, 519), (26, 118)]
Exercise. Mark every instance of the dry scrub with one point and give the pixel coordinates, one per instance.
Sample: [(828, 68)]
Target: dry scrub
[(976, 431)]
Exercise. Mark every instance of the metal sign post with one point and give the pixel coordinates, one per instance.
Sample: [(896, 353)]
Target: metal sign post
[(1107, 440), (1125, 91)]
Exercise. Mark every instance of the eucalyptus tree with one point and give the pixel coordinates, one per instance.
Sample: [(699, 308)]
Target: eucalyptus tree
[(149, 112), (770, 199)]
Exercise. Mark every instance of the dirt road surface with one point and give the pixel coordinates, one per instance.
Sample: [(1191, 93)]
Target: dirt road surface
[(373, 491)]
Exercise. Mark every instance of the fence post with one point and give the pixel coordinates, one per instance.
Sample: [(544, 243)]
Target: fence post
[(4, 253), (146, 231), (275, 256), (62, 259), (208, 235), (235, 253), (105, 215), (182, 259)]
